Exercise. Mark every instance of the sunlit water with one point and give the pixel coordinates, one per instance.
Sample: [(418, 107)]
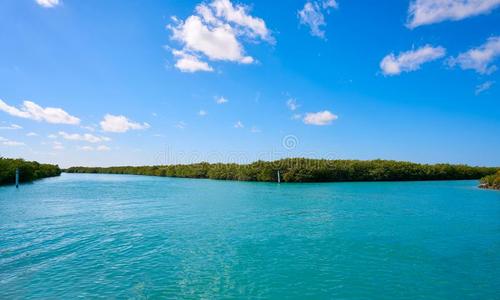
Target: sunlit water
[(114, 236)]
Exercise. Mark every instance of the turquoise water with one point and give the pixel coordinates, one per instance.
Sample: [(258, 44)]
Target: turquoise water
[(119, 236)]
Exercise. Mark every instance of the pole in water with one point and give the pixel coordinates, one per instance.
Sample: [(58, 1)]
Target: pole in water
[(17, 177), (279, 178)]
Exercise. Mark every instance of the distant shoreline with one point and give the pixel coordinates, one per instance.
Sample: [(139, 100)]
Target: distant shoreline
[(305, 170)]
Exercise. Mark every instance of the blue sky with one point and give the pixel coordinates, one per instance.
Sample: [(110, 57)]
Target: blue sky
[(140, 82)]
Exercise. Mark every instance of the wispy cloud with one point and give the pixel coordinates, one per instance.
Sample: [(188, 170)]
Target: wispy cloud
[(312, 15), (292, 104), (484, 87), (410, 60), (120, 124), (239, 124), (215, 32), (11, 127), (31, 134), (221, 100), (479, 59), (57, 146), (48, 3), (31, 110), (10, 143), (87, 137), (202, 113), (180, 125), (424, 12), (321, 118)]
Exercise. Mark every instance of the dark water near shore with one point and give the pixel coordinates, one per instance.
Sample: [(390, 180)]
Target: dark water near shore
[(120, 236)]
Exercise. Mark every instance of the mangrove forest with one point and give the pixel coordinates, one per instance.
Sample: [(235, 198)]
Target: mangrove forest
[(491, 181), (28, 170), (305, 170)]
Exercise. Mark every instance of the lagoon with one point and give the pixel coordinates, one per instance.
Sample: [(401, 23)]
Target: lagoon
[(125, 236)]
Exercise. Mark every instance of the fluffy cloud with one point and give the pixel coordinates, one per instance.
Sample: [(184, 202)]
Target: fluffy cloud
[(190, 63), (90, 138), (312, 15), (480, 58), (410, 60), (221, 100), (239, 124), (319, 118), (113, 123), (48, 3), (484, 86), (214, 31), (423, 12), (31, 110), (11, 127)]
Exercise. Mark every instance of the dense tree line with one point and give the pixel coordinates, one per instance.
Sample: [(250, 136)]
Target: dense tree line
[(491, 181), (305, 170), (28, 170)]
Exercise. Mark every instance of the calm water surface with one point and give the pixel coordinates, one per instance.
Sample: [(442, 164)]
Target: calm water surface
[(114, 236)]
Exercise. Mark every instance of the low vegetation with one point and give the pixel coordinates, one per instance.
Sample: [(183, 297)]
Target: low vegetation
[(306, 170), (28, 170), (491, 181)]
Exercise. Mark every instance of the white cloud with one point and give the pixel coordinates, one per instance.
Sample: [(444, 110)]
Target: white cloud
[(202, 113), (423, 12), (214, 31), (480, 58), (11, 127), (103, 148), (239, 15), (312, 15), (296, 117), (180, 125), (190, 63), (320, 118), (112, 123), (12, 143), (221, 100), (31, 134), (87, 137), (86, 148), (239, 124), (89, 128), (9, 143), (57, 146), (48, 3), (484, 87), (292, 104), (31, 110), (52, 136), (410, 60)]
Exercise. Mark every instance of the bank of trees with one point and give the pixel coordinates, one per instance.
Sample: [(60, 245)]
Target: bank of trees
[(491, 181), (28, 170), (306, 170)]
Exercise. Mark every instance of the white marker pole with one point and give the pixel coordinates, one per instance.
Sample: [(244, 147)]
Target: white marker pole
[(17, 177)]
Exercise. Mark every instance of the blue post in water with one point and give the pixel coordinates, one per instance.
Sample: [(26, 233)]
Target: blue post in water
[(17, 177)]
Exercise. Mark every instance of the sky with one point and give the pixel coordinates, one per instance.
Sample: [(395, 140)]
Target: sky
[(102, 83)]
